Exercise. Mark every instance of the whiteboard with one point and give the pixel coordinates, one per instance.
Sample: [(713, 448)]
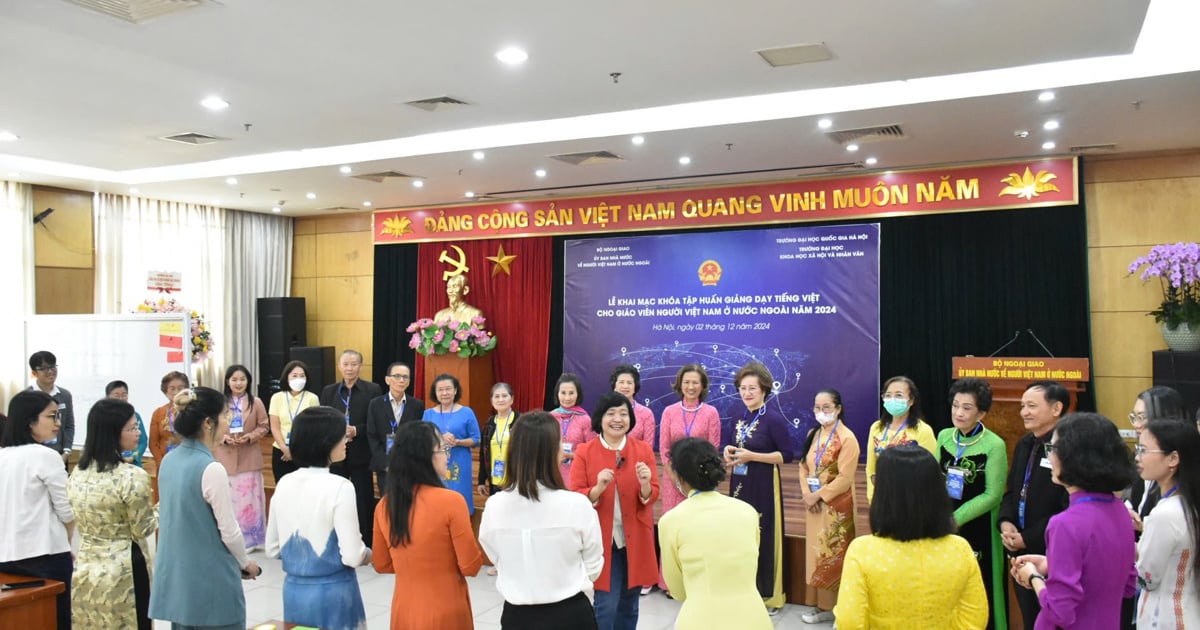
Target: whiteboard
[(93, 350)]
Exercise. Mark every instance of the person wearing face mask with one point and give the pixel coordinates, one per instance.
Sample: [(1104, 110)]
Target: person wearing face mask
[(901, 423), (827, 474), (284, 408), (975, 463), (1031, 497)]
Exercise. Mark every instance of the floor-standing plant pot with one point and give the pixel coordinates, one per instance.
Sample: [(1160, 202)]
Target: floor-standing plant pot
[(1182, 339)]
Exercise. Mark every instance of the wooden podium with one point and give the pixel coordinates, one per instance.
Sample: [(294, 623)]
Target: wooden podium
[(1009, 377), (475, 376)]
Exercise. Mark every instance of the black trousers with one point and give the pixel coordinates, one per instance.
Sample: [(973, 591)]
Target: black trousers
[(572, 613), (364, 494), (279, 468), (55, 566), (1028, 602), (141, 588)]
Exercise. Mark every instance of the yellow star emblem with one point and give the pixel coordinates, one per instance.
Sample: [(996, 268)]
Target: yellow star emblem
[(501, 261)]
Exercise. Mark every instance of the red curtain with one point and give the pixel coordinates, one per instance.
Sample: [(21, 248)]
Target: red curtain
[(517, 307)]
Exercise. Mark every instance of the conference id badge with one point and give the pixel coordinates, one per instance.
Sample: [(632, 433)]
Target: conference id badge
[(1045, 463), (236, 425), (347, 418), (955, 480), (568, 447), (287, 439), (498, 469), (391, 439), (814, 484), (740, 469)]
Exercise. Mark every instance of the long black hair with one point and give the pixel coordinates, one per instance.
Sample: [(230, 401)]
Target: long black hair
[(105, 423), (234, 369), (910, 501), (410, 465), (1178, 436), (812, 434)]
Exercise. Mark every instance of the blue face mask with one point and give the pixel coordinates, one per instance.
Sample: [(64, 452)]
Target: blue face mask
[(896, 407)]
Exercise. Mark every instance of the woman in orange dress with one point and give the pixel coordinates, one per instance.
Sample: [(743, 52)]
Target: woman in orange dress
[(430, 545), (162, 423)]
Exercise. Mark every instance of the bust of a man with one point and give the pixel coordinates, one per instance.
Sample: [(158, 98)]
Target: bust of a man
[(458, 310)]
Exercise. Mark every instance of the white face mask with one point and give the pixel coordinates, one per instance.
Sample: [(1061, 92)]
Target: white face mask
[(297, 384), (825, 419)]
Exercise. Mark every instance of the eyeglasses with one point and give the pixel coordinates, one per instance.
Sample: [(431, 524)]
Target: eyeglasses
[(1140, 450), (1050, 447), (1138, 418), (445, 450), (46, 368), (825, 409), (132, 430), (399, 377)]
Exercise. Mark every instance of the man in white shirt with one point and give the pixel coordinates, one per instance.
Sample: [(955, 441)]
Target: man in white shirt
[(44, 367)]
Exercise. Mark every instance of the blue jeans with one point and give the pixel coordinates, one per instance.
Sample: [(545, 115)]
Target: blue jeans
[(617, 608)]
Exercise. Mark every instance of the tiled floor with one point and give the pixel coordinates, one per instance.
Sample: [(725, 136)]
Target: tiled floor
[(264, 600)]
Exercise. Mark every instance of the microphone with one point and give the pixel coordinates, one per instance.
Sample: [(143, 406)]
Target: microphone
[(1009, 343), (1039, 342)]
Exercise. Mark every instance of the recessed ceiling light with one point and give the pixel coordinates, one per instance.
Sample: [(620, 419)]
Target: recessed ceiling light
[(8, 136), (366, 204), (1050, 125), (215, 103), (133, 191), (1046, 96), (232, 181), (637, 140), (478, 155), (1049, 144), (852, 147), (685, 160), (469, 194), (345, 170), (417, 183), (541, 172), (311, 195), (276, 209), (512, 55), (825, 123), (871, 161)]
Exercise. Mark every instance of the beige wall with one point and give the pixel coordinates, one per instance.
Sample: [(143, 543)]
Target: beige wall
[(333, 269), (63, 253), (1133, 203)]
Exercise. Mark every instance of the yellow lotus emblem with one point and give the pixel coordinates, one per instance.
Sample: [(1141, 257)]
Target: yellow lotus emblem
[(396, 226), (1028, 185)]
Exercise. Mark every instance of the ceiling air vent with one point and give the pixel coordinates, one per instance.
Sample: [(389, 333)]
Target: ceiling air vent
[(588, 158), (384, 176), (437, 103), (1093, 148), (137, 11), (335, 209), (866, 134), (193, 138), (795, 55)]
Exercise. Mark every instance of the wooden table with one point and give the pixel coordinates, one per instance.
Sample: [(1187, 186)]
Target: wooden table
[(29, 608)]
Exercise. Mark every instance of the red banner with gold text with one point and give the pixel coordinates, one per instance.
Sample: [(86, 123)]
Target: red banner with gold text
[(959, 188)]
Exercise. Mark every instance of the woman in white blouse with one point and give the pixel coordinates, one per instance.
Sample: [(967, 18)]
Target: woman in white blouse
[(543, 539), (35, 516), (1168, 453), (314, 527)]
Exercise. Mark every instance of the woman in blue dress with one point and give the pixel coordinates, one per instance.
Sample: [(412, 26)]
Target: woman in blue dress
[(313, 527), (460, 433)]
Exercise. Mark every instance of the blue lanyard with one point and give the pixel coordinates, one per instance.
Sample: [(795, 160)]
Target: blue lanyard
[(1103, 499), (171, 418), (396, 418), (687, 426), (500, 436), (1167, 493), (963, 447), (883, 440), (299, 404), (821, 451), (745, 432), (237, 408), (569, 416), (349, 395)]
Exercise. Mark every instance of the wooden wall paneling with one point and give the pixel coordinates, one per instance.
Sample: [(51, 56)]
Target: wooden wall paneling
[(1122, 343), (64, 290), (63, 239), (304, 256), (1113, 288), (348, 298), (345, 254)]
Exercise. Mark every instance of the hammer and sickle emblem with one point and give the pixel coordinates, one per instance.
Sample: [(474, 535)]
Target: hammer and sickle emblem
[(460, 265)]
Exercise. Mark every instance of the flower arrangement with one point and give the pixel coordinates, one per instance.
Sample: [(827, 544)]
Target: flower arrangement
[(1177, 268), (466, 339), (202, 341)]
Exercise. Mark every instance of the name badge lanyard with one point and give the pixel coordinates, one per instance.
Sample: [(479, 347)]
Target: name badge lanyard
[(1166, 494), (346, 400), (390, 438), (883, 440), (962, 446), (823, 447), (171, 425), (687, 426), (744, 432), (237, 413), (568, 418), (1025, 485), (500, 436), (292, 414)]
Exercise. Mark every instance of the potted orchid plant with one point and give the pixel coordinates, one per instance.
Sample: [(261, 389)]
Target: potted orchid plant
[(466, 339), (1177, 268)]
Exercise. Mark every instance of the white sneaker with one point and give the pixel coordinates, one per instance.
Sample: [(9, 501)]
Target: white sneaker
[(646, 590), (773, 611), (817, 616)]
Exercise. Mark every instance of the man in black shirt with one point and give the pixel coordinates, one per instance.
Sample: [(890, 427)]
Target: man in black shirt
[(351, 396), (1031, 496)]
